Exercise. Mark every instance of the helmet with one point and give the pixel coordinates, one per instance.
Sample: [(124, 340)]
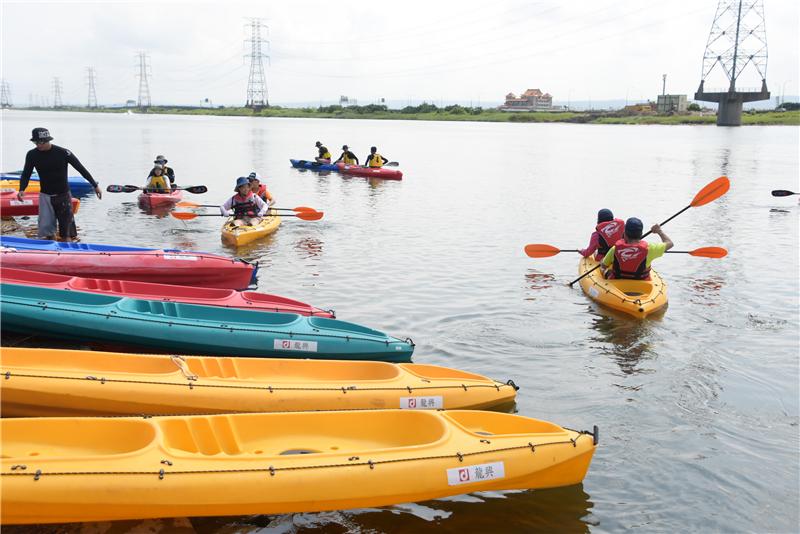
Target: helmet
[(633, 228)]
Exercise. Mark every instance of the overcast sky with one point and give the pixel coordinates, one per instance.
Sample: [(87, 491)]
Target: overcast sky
[(412, 50)]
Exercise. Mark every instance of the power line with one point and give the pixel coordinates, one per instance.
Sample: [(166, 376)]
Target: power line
[(90, 78), (5, 95), (257, 82), (57, 90), (144, 88)]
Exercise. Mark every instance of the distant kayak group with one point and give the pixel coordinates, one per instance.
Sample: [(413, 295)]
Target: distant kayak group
[(348, 163)]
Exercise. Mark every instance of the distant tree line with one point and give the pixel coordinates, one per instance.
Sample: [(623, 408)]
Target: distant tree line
[(422, 108)]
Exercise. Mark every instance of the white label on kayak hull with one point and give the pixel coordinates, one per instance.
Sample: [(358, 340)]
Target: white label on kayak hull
[(475, 473), (421, 403), (291, 344), (593, 292), (21, 202), (180, 257)]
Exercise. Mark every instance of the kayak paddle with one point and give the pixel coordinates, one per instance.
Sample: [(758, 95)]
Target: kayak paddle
[(196, 189), (709, 193), (545, 251), (783, 193), (305, 215), (187, 204)]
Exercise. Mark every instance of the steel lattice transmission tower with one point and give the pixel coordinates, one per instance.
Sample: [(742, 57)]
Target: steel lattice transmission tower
[(90, 78), (5, 95), (737, 44), (257, 81), (144, 88), (57, 90)]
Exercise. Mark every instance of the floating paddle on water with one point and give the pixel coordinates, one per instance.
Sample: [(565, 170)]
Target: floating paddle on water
[(305, 215), (783, 193), (196, 189), (709, 193), (188, 204), (545, 251)]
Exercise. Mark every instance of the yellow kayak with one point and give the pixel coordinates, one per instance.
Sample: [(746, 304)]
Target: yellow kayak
[(58, 470), (33, 186), (242, 235), (50, 382), (639, 298)]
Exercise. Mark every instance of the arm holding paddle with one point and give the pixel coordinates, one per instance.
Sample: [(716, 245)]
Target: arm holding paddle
[(656, 229)]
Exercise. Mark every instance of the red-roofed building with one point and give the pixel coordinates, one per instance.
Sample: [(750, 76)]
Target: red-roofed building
[(530, 100)]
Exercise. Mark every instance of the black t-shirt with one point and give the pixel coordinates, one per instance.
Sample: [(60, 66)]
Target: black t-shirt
[(52, 168), (322, 151)]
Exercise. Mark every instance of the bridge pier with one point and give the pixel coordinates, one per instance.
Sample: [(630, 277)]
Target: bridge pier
[(729, 112)]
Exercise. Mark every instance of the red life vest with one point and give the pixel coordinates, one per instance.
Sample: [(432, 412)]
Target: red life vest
[(241, 205), (630, 260), (608, 232)]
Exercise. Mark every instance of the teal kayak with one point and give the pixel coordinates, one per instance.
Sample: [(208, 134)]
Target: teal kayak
[(189, 328)]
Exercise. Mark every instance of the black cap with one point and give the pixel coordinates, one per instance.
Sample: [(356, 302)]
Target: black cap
[(317, 144), (344, 147), (604, 215), (633, 228), (373, 149), (40, 134)]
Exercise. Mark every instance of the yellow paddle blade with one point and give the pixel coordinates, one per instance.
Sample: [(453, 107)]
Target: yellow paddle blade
[(541, 251), (183, 215), (712, 191)]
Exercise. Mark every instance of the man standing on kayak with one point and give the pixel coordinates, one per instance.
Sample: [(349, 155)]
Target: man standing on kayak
[(55, 201)]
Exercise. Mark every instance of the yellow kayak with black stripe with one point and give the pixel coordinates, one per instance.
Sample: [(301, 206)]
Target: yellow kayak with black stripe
[(57, 470), (638, 298), (50, 382), (242, 235)]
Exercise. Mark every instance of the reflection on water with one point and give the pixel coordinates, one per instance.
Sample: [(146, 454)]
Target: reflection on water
[(706, 291), (536, 281), (309, 247), (626, 340)]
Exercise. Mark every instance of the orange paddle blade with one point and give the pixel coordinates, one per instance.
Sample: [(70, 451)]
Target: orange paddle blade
[(183, 215), (188, 204), (310, 215), (541, 251), (709, 252), (712, 191), (303, 208)]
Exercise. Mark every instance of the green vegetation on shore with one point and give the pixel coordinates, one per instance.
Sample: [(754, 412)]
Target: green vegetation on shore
[(430, 112)]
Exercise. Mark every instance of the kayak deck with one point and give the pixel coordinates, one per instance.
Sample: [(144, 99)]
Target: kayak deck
[(242, 235), (638, 298)]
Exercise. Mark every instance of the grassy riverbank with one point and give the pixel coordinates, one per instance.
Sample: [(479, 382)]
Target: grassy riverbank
[(429, 112)]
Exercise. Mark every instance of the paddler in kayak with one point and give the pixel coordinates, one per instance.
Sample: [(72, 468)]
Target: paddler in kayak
[(260, 189), (169, 172), (347, 157), (324, 153), (630, 257), (374, 159), (156, 181), (607, 232), (246, 207)]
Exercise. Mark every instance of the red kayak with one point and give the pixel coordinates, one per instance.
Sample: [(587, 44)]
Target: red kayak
[(158, 200), (370, 172), (176, 267), (227, 298), (11, 207)]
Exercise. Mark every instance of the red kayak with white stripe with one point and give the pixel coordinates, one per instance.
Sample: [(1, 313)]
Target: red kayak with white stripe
[(227, 298), (11, 206), (370, 172), (155, 266)]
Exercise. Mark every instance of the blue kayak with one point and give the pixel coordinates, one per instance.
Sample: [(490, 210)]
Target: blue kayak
[(22, 243), (313, 165), (189, 328), (78, 185)]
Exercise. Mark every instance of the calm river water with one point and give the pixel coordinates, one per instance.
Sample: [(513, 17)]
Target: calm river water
[(698, 408)]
